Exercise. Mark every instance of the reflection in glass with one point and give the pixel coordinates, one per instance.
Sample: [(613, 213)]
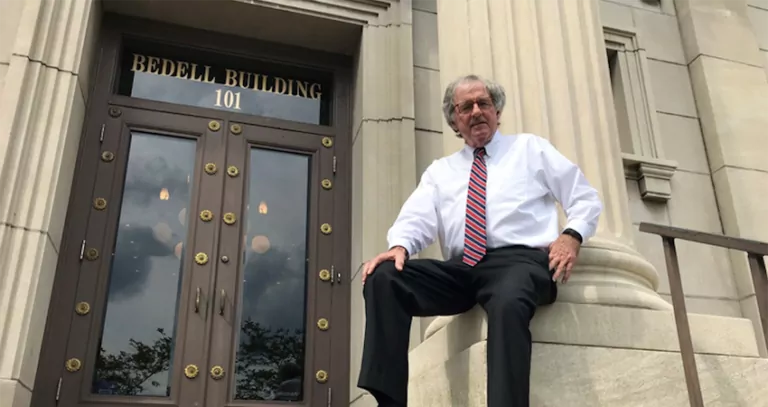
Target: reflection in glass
[(270, 356), (136, 349)]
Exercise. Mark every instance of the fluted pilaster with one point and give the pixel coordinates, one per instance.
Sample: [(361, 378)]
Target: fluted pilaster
[(550, 57), (383, 149), (42, 108)]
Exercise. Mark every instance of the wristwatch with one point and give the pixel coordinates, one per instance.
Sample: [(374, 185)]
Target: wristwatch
[(574, 234)]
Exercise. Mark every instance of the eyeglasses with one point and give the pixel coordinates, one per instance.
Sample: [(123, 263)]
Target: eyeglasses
[(466, 107)]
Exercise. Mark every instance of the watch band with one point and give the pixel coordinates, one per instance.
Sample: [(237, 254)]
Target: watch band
[(574, 234)]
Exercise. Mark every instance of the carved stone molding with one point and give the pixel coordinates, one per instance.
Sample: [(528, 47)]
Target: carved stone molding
[(653, 176), (353, 11)]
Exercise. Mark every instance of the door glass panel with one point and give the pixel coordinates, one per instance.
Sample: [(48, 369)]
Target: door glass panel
[(136, 349), (270, 355)]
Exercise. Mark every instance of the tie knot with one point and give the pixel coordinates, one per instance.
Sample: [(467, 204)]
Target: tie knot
[(480, 152)]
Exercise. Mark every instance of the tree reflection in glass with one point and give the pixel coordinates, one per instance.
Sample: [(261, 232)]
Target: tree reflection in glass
[(270, 357), (136, 344)]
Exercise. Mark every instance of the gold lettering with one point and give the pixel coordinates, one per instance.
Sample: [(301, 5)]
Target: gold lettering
[(139, 63), (153, 65), (231, 77), (264, 84), (182, 71), (208, 78), (245, 84), (169, 67), (280, 85), (302, 89), (192, 75), (315, 91)]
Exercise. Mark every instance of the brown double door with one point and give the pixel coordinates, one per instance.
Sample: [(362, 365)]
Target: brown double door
[(205, 275)]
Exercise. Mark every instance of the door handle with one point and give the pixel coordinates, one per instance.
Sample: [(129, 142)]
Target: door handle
[(223, 302), (197, 301)]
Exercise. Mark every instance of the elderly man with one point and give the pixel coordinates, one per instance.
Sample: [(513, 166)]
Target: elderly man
[(492, 207)]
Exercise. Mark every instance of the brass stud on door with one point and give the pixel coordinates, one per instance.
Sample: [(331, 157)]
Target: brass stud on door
[(73, 365), (210, 168), (191, 371), (206, 215), (321, 376), (92, 254), (236, 129), (107, 156), (82, 308), (114, 112), (232, 171), (100, 204), (201, 258), (325, 275), (229, 218), (214, 125), (327, 142), (327, 184), (325, 229), (217, 372), (322, 324)]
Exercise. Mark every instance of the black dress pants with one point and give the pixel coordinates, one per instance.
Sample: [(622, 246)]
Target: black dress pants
[(509, 283)]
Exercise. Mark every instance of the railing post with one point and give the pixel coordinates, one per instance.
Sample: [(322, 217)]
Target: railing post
[(683, 329), (760, 281)]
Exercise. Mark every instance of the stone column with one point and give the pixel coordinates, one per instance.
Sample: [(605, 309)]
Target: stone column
[(550, 57), (42, 106)]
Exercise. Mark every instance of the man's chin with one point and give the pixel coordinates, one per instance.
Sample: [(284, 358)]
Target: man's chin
[(481, 134)]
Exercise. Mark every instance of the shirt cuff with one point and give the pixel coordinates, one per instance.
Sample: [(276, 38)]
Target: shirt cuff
[(404, 243), (584, 229)]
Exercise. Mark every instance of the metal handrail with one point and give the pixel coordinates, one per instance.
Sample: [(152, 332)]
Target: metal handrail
[(755, 251)]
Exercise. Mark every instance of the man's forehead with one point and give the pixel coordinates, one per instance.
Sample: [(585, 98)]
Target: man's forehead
[(470, 90)]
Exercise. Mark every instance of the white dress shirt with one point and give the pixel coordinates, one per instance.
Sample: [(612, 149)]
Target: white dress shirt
[(526, 176)]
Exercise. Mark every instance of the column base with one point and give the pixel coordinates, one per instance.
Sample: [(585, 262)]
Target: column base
[(611, 273), (593, 355)]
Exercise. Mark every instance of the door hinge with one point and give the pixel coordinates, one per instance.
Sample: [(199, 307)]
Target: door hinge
[(58, 390), (329, 397), (101, 136), (82, 249), (334, 165)]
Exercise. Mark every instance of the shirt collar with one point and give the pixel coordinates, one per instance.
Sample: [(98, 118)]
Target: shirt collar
[(490, 149)]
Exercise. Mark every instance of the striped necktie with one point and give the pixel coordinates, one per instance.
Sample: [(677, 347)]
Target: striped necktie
[(474, 231)]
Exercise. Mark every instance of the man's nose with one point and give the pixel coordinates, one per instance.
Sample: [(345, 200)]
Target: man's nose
[(476, 112)]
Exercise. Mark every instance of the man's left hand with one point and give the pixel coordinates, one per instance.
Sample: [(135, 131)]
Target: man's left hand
[(562, 256)]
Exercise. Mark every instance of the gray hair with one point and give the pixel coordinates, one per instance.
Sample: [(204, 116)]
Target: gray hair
[(498, 96)]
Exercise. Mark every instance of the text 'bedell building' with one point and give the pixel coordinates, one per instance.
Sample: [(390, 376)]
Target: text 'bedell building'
[(188, 190)]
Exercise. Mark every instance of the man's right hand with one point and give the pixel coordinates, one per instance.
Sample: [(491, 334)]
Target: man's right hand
[(397, 254)]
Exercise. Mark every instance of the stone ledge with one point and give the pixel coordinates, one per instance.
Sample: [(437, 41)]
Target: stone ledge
[(592, 325), (578, 376)]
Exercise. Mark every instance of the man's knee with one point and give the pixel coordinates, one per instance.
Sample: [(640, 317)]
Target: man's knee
[(381, 277)]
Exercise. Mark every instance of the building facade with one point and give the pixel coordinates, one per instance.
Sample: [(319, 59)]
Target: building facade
[(189, 189)]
